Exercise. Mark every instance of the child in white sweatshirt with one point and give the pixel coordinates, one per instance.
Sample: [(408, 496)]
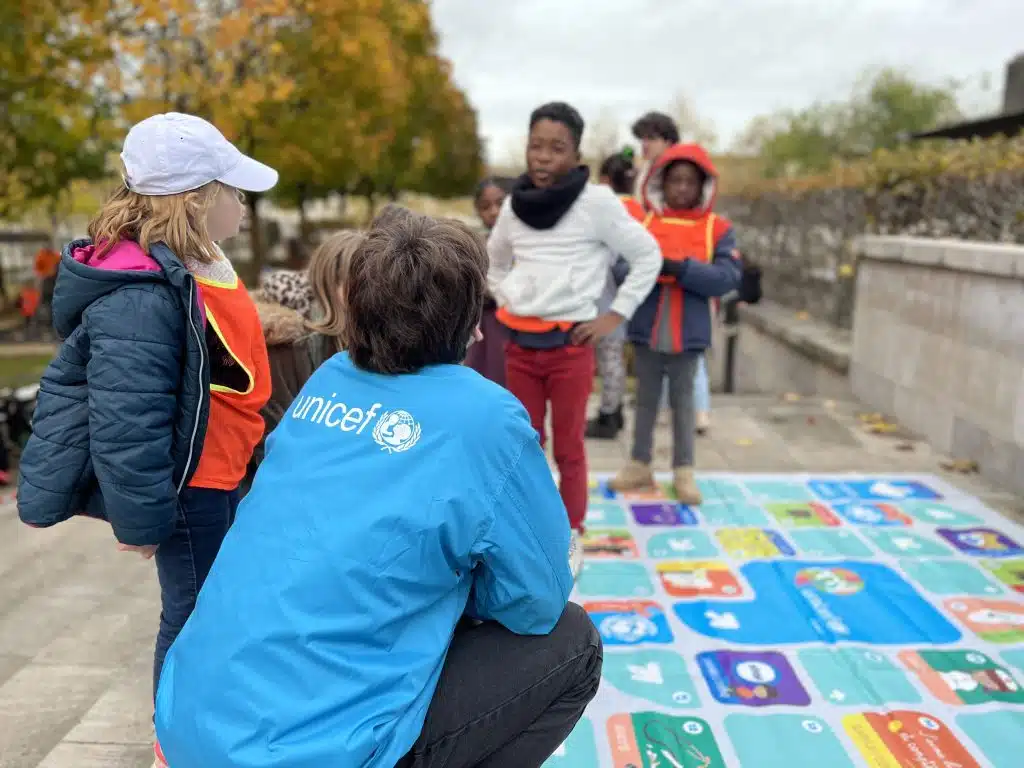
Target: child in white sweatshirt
[(549, 253)]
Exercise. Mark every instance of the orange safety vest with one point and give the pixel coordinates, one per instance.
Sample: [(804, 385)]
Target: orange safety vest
[(682, 239), (240, 384), (30, 298)]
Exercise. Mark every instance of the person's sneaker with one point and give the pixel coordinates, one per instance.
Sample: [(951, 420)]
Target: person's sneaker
[(703, 422), (605, 426), (633, 477), (685, 484), (575, 553)]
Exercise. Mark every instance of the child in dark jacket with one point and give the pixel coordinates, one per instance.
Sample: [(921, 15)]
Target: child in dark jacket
[(672, 327), (149, 413)]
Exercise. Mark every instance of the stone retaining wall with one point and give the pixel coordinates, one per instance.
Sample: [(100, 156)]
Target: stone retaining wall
[(938, 343)]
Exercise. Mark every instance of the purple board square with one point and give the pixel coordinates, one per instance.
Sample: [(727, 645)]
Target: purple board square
[(663, 513)]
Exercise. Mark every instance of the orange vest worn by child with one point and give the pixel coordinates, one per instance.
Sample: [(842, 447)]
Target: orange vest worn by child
[(240, 382), (676, 316)]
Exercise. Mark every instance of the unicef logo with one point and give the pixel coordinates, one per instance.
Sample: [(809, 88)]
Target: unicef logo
[(396, 431)]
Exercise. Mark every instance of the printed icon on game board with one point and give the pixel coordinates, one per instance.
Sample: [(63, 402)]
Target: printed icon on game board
[(997, 621), (831, 581), (752, 679), (778, 490), (696, 578), (603, 514), (688, 544), (910, 739), (630, 622), (872, 513), (1009, 572), (663, 513), (655, 740), (804, 741), (577, 751), (609, 542), (658, 676), (867, 615), (963, 677), (855, 677), (752, 543), (800, 514), (871, 490), (983, 542)]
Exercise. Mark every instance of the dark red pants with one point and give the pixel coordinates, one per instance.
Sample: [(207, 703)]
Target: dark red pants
[(563, 377)]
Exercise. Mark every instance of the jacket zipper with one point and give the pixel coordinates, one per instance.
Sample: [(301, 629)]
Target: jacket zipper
[(202, 361)]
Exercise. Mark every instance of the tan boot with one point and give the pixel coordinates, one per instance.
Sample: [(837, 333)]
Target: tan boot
[(685, 484), (633, 477)]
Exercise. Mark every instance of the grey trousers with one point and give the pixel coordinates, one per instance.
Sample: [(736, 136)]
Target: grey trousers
[(679, 370), (611, 367)]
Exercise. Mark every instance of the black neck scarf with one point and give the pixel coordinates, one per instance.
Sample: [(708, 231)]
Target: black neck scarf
[(543, 208)]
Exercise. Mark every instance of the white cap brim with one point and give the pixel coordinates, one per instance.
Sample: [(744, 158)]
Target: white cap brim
[(250, 176)]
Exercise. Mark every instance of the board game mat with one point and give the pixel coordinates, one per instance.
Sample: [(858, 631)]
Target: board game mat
[(803, 620)]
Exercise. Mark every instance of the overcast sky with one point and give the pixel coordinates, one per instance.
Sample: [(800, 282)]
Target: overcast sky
[(734, 59)]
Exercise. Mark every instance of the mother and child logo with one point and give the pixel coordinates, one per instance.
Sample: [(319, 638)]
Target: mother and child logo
[(395, 431)]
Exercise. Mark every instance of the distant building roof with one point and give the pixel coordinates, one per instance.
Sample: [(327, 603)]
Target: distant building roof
[(1007, 124)]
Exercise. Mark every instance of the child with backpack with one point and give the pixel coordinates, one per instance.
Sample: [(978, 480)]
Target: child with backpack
[(150, 412)]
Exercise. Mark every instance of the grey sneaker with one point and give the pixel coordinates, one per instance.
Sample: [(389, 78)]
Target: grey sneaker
[(575, 554)]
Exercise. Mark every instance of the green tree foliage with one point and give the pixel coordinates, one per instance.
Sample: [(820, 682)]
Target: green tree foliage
[(882, 112)]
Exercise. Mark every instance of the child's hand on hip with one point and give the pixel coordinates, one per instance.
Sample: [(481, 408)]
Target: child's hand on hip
[(594, 330), (145, 550)]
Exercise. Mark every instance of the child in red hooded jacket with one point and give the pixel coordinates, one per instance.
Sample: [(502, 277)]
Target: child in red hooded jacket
[(672, 327)]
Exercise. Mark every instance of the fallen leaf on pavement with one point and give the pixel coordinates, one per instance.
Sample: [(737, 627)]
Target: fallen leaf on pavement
[(963, 466), (882, 428), (829, 404), (791, 397), (744, 441), (802, 315)]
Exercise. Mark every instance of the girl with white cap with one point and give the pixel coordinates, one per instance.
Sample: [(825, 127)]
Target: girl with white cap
[(150, 412)]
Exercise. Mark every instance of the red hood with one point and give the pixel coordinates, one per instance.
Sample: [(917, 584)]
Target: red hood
[(653, 189)]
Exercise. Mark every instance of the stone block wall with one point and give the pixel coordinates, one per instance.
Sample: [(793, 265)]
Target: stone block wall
[(938, 343)]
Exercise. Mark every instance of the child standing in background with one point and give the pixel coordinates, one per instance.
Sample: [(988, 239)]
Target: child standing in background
[(673, 326), (487, 357), (550, 253), (617, 172), (149, 414)]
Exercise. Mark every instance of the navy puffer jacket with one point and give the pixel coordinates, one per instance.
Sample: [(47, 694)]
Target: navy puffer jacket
[(121, 416)]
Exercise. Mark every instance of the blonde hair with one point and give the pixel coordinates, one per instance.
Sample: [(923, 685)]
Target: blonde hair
[(178, 221), (327, 273)]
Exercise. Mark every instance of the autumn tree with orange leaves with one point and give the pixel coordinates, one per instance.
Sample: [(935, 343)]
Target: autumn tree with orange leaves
[(341, 95)]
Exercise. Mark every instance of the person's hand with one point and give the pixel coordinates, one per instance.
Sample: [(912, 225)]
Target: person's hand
[(146, 551), (593, 331)]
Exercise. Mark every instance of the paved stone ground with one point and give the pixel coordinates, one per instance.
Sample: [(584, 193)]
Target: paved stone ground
[(77, 617)]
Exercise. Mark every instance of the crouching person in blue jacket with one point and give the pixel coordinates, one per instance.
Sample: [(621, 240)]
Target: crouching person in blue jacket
[(395, 588)]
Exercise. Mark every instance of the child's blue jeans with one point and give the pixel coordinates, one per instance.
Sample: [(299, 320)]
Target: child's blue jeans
[(185, 559)]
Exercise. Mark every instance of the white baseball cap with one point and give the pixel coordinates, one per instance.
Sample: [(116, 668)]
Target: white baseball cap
[(173, 153)]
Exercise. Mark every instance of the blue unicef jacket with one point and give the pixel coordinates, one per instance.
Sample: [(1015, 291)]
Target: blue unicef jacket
[(386, 507)]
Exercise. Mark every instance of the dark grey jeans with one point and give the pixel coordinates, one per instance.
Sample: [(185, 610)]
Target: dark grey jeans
[(651, 369), (507, 700)]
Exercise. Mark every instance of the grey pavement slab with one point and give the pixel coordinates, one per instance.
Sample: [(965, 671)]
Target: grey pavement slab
[(77, 617)]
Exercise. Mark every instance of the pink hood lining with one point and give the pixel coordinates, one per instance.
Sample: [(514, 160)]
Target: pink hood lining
[(127, 256)]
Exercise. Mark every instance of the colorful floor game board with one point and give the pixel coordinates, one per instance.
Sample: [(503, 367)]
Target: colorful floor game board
[(798, 620)]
